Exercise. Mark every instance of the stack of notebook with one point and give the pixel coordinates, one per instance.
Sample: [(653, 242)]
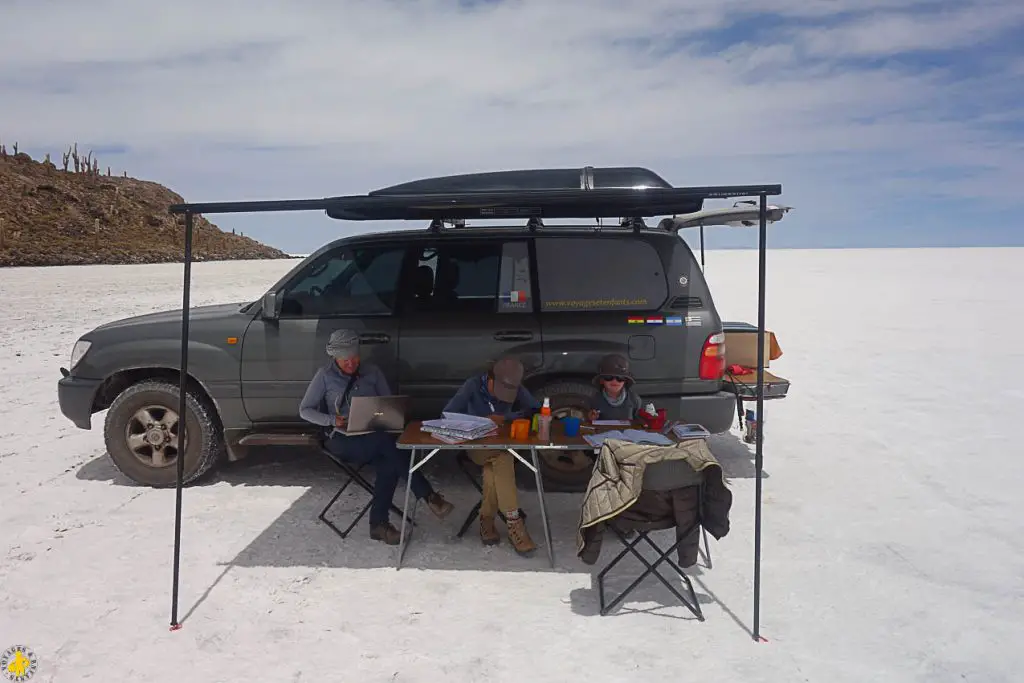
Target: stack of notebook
[(457, 428), (690, 431)]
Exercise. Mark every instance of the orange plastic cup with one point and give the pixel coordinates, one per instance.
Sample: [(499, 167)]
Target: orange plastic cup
[(520, 430)]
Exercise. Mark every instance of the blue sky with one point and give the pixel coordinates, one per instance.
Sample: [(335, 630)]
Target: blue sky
[(888, 122)]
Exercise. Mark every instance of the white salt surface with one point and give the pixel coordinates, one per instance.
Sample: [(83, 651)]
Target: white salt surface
[(892, 512)]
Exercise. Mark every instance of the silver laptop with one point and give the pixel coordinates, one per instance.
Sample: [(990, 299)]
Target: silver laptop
[(376, 413)]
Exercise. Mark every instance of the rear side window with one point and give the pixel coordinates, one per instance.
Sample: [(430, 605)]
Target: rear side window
[(594, 274), (466, 277)]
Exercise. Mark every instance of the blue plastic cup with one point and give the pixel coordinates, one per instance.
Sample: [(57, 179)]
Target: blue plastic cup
[(571, 425)]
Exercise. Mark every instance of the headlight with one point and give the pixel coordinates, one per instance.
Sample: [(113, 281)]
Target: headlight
[(77, 353)]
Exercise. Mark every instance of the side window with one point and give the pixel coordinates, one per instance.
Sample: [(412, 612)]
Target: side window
[(348, 281), (599, 274), (456, 277)]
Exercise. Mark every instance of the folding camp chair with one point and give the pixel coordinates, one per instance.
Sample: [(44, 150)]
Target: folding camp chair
[(353, 475), (464, 462), (663, 476)]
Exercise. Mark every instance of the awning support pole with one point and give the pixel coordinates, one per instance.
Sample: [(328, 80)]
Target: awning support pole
[(759, 435), (182, 415)]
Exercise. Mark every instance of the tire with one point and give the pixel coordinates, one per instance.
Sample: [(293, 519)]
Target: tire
[(134, 454), (567, 471)]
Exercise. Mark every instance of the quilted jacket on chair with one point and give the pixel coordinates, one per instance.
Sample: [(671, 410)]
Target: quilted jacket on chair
[(616, 495)]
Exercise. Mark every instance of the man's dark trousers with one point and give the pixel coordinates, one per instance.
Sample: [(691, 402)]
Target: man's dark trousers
[(390, 464)]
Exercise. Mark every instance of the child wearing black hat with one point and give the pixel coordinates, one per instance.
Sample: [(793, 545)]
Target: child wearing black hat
[(615, 399)]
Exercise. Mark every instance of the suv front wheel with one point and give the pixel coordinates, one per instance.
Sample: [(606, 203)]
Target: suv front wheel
[(141, 434), (567, 471)]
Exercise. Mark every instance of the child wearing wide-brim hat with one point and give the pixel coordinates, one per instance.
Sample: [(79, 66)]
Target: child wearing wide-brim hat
[(615, 398)]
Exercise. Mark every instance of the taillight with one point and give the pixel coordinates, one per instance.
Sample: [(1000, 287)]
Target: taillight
[(712, 357)]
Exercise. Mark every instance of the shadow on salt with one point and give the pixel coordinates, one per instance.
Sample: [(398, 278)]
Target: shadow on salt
[(298, 539)]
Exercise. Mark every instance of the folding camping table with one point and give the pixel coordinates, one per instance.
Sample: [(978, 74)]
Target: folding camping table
[(416, 440)]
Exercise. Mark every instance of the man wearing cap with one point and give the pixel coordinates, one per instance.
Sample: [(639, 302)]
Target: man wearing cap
[(327, 402), (500, 395)]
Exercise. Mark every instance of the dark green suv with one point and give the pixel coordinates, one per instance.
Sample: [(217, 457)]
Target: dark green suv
[(432, 306)]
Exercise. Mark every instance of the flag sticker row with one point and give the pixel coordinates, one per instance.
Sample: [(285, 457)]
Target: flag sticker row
[(672, 320)]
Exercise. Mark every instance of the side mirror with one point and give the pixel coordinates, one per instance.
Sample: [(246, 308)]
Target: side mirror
[(271, 306)]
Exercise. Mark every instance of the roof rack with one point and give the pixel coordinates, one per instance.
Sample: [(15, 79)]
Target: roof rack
[(534, 223), (589, 192)]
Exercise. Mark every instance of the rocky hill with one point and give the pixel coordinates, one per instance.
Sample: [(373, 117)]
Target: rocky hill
[(74, 214)]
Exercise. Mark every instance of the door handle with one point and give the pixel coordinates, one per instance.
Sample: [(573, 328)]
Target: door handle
[(380, 338), (513, 335)]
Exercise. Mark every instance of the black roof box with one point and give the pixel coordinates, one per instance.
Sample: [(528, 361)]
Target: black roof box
[(586, 178)]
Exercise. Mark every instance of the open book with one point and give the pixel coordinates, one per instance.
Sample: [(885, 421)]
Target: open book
[(631, 435)]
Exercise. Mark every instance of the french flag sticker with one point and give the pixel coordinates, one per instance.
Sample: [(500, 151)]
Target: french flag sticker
[(517, 296)]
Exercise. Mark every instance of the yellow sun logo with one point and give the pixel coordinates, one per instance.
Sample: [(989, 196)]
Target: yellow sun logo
[(18, 663)]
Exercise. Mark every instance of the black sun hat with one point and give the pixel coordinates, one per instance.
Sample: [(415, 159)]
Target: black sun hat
[(615, 365)]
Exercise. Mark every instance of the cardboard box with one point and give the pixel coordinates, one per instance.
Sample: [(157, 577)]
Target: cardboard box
[(741, 348)]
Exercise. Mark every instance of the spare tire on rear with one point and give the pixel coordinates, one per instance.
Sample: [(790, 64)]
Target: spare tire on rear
[(141, 433)]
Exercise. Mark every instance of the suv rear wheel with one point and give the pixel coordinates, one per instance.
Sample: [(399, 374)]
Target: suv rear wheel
[(567, 471), (141, 434)]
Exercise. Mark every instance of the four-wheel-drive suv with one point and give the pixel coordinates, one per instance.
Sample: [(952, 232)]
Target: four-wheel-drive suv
[(432, 307)]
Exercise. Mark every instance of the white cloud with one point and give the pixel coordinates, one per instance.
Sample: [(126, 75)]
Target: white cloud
[(375, 89), (939, 28)]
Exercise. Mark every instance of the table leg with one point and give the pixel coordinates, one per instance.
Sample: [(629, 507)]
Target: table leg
[(405, 509), (543, 508)]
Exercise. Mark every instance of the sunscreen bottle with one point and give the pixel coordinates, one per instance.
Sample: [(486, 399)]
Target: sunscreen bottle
[(544, 421)]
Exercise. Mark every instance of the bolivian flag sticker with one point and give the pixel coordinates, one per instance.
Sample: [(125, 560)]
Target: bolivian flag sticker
[(635, 320)]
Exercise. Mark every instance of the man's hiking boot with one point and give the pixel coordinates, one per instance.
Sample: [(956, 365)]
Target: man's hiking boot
[(385, 532), (439, 506), (488, 532), (519, 537)]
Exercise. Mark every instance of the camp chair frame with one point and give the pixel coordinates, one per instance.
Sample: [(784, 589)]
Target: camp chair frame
[(691, 604), (353, 475), (664, 555)]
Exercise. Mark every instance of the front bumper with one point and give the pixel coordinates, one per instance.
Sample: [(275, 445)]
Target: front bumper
[(76, 396), (715, 412)]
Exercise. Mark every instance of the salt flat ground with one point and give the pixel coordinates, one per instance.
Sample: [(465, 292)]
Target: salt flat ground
[(892, 512)]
